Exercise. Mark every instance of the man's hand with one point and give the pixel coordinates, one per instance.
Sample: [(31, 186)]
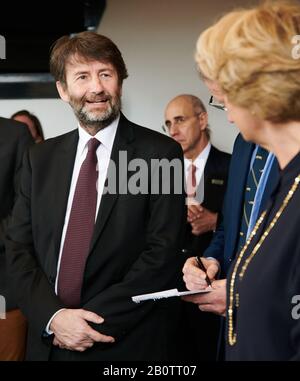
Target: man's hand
[(194, 277), (72, 331), (201, 219), (214, 301)]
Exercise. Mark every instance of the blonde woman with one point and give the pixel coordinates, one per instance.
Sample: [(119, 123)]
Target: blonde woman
[(248, 56)]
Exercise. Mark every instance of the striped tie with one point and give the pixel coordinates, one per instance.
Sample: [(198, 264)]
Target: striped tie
[(250, 192)]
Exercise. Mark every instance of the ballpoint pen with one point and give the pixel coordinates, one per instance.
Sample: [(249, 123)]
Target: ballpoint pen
[(201, 266)]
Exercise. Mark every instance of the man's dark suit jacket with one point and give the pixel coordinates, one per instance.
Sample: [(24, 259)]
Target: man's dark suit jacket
[(224, 243), (215, 182), (199, 343), (14, 139), (134, 249)]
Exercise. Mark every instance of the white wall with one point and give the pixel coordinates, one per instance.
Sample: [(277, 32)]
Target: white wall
[(55, 115), (157, 39)]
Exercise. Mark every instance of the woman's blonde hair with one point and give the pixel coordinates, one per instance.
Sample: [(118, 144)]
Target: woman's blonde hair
[(249, 53)]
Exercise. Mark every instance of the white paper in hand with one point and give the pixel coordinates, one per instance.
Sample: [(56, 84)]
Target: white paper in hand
[(167, 294)]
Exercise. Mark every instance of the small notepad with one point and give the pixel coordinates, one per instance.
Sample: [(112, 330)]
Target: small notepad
[(167, 294)]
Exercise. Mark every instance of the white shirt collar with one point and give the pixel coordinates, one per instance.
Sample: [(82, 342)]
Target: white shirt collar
[(200, 159), (106, 136)]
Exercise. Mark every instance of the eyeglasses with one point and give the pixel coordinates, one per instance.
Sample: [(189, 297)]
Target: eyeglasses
[(216, 104), (178, 121)]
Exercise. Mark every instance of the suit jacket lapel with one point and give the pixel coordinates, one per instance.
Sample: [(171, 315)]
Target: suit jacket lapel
[(237, 198), (123, 142), (209, 168), (65, 157), (203, 186)]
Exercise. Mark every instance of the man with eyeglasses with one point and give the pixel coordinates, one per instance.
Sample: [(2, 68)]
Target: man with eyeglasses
[(242, 206), (206, 171)]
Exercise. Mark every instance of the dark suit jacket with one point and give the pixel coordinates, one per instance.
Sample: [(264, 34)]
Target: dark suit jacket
[(14, 139), (215, 182), (224, 243), (134, 249), (267, 319)]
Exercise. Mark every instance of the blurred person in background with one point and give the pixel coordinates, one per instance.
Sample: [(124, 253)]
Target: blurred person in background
[(14, 140), (206, 171), (33, 123)]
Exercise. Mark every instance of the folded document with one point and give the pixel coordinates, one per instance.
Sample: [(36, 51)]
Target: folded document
[(167, 294)]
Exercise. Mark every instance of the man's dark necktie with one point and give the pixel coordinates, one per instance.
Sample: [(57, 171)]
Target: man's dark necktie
[(79, 231), (191, 182), (250, 192)]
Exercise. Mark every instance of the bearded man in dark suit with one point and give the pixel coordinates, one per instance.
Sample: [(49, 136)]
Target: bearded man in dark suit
[(78, 252)]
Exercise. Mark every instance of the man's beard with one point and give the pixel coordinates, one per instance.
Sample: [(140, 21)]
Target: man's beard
[(96, 119)]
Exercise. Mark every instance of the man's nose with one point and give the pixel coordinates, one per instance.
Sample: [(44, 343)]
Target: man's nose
[(173, 129), (96, 85)]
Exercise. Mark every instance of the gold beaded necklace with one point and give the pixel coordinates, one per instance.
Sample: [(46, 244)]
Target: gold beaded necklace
[(232, 336)]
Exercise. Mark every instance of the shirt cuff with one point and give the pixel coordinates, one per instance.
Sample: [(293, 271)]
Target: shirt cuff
[(47, 330), (212, 258)]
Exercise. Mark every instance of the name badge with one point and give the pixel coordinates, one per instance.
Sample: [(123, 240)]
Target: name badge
[(217, 181)]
